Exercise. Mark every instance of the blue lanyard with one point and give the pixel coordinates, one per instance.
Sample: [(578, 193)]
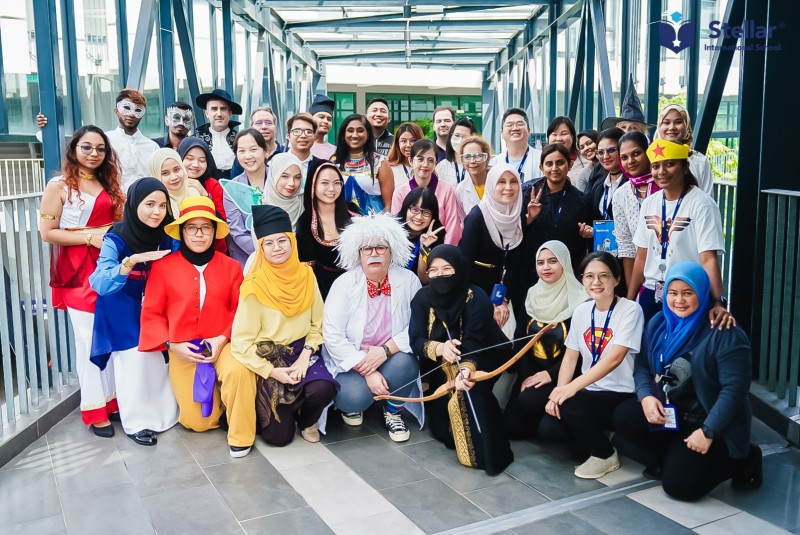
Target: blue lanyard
[(406, 171), (521, 164), (597, 346), (557, 216), (459, 177), (666, 227)]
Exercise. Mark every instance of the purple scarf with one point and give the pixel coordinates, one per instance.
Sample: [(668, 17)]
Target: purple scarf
[(205, 380), (431, 185)]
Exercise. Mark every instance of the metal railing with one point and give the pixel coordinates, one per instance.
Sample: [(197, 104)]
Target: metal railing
[(725, 195), (20, 177), (779, 365), (36, 341)]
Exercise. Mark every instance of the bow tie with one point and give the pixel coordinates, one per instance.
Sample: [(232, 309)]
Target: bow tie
[(383, 288)]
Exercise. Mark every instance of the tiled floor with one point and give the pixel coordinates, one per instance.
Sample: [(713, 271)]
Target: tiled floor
[(359, 482)]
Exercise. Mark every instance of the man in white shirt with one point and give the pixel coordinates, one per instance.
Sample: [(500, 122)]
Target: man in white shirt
[(220, 131), (322, 112), (378, 117), (443, 119), (515, 131), (132, 147)]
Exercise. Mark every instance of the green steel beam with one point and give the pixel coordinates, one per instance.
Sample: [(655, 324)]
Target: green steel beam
[(277, 4), (625, 53), (227, 44), (693, 60), (185, 38), (652, 83), (141, 44), (552, 17), (491, 25), (166, 53), (3, 114), (599, 31), (69, 41), (122, 40), (580, 67), (50, 103)]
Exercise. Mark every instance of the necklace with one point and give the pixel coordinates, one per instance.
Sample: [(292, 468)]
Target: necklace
[(356, 155), (87, 176)]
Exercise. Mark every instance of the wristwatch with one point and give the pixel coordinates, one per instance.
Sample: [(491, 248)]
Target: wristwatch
[(308, 347), (126, 263), (709, 433), (166, 344), (387, 350), (722, 299)]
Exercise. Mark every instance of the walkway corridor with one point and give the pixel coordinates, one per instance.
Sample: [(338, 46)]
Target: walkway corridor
[(358, 482)]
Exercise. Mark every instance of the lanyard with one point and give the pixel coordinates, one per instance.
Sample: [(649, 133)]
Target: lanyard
[(557, 216), (459, 176), (666, 227), (505, 256), (598, 345), (607, 190), (521, 164), (406, 171)]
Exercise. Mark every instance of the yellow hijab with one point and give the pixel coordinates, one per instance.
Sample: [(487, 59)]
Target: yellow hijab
[(288, 287)]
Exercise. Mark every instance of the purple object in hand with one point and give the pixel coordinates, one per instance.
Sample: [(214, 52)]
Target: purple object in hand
[(205, 379)]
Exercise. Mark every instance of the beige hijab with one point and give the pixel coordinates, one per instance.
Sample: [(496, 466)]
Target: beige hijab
[(291, 205), (176, 197), (503, 221), (552, 303)]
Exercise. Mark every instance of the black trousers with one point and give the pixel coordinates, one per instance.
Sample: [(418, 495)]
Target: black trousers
[(686, 474), (588, 414), (316, 396)]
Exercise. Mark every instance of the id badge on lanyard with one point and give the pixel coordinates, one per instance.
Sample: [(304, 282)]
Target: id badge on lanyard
[(499, 290), (521, 165), (666, 226), (670, 410)]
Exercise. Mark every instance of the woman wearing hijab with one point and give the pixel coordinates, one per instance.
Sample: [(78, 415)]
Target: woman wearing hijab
[(551, 300), (284, 187), (692, 416), (201, 169), (675, 125), (167, 166), (451, 317), (491, 241), (277, 333), (146, 402), (324, 217), (189, 305)]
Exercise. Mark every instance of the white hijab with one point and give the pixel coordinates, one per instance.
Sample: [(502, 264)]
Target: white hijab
[(291, 205), (552, 303), (503, 221)]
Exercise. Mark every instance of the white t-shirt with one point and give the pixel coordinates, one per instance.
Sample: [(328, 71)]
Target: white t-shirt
[(624, 329), (698, 228), (530, 170)]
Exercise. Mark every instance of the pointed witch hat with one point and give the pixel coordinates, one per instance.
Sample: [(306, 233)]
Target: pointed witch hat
[(631, 109)]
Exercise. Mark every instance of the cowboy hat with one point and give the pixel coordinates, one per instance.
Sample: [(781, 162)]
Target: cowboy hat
[(218, 94)]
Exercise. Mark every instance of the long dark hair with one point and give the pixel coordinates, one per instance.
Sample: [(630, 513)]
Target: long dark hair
[(107, 173), (450, 152), (343, 149), (429, 202), (340, 212)]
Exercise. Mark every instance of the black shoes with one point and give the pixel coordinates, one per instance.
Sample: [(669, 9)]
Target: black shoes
[(114, 417), (145, 437), (652, 472), (104, 432), (750, 474)]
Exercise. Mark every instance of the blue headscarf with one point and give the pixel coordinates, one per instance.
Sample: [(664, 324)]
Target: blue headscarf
[(671, 332)]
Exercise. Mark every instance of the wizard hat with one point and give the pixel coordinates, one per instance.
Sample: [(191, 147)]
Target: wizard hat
[(630, 110)]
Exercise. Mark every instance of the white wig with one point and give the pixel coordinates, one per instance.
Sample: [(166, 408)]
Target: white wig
[(373, 229)]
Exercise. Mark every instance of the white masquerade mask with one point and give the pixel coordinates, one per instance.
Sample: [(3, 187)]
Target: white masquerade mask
[(179, 117), (126, 107)]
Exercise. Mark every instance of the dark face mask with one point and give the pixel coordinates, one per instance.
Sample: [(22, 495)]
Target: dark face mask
[(444, 284)]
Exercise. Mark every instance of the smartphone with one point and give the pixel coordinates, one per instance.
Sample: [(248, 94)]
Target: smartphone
[(205, 349)]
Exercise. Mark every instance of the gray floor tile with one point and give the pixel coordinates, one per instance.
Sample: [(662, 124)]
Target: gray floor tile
[(166, 467), (622, 516), (433, 506), (27, 495), (253, 488), (336, 430), (194, 510), (777, 500), (50, 525), (378, 463), (548, 471), (303, 520), (87, 465), (36, 455), (443, 463), (373, 419), (116, 509), (72, 429), (208, 448), (558, 525), (505, 498)]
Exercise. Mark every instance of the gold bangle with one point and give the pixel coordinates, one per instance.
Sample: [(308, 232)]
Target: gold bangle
[(88, 239), (48, 217)]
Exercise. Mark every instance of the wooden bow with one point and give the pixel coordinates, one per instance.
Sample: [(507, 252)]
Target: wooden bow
[(477, 377)]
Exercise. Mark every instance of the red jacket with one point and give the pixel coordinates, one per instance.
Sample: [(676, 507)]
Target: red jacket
[(171, 307)]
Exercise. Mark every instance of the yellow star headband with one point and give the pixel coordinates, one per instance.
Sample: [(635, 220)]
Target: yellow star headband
[(661, 149)]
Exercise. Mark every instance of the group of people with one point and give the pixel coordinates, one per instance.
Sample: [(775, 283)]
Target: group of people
[(227, 279)]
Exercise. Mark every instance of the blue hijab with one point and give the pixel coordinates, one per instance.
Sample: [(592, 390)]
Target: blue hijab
[(672, 333)]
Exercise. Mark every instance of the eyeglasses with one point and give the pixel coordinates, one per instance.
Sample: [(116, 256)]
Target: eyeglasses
[(194, 230), (299, 132), (263, 123), (474, 157), (603, 277), (337, 184), (416, 210), (511, 126), (436, 272), (602, 153), (374, 250), (87, 150)]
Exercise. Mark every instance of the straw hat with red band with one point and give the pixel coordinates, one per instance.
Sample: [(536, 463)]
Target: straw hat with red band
[(192, 207)]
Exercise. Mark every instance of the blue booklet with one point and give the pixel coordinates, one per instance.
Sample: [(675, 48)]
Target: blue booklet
[(604, 239)]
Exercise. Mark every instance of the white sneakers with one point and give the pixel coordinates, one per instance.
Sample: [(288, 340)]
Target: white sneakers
[(353, 418), (595, 467)]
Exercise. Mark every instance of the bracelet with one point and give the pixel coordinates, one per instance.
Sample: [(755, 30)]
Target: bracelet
[(88, 239), (127, 264), (388, 351), (48, 217)]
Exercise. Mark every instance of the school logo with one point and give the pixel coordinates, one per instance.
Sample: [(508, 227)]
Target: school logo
[(675, 33), (654, 224), (598, 332)]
